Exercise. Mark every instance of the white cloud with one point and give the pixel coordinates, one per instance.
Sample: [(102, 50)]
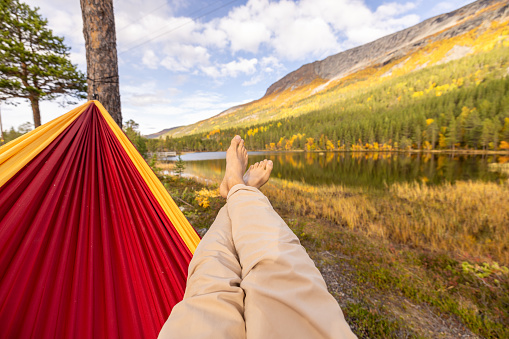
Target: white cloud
[(271, 64), (393, 8), (245, 35), (253, 81), (148, 93), (253, 43), (148, 99), (447, 6), (232, 69), (305, 37), (290, 30), (183, 58), (150, 59)]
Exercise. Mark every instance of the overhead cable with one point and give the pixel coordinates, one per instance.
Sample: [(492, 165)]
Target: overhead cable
[(177, 27)]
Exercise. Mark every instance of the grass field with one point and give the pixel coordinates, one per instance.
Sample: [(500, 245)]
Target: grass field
[(407, 261)]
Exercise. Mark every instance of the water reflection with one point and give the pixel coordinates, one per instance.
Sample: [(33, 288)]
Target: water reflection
[(368, 169)]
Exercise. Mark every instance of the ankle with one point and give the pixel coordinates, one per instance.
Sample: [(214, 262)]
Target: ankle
[(234, 180)]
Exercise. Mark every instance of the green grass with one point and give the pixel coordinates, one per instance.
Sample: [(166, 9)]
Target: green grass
[(387, 289)]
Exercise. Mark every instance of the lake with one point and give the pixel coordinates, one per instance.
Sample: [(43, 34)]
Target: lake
[(367, 169)]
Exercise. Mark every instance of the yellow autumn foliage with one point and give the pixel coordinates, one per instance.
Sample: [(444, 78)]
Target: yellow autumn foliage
[(203, 196)]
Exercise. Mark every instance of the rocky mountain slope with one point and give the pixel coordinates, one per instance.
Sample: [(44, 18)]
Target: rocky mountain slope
[(389, 52), (396, 45), (160, 133)]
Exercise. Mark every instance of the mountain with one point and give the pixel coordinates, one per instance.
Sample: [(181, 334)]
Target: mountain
[(395, 46), (469, 30), (160, 133)]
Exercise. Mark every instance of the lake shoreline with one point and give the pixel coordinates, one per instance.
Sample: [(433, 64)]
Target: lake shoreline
[(455, 152), (373, 169)]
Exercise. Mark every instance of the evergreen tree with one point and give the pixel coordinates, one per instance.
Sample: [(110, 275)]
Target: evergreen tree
[(505, 130), (34, 63), (487, 133), (131, 129), (496, 128), (417, 136), (473, 128), (432, 133), (451, 135)]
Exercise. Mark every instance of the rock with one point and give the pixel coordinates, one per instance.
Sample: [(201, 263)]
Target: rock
[(202, 231)]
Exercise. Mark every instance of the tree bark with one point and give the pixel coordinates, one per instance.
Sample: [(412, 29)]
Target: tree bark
[(101, 47), (36, 112)]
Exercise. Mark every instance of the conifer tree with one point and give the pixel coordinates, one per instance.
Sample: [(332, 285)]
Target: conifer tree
[(418, 136), (34, 63), (487, 133), (432, 133), (451, 135)]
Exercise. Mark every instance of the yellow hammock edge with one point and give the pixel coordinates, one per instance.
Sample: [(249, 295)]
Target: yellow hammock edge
[(179, 221), (19, 152)]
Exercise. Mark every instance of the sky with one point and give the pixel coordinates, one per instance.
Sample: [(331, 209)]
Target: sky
[(181, 61)]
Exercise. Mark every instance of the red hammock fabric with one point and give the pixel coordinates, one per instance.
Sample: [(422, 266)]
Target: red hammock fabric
[(85, 249)]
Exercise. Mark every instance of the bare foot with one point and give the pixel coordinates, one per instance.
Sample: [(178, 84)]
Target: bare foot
[(258, 174), (236, 162)]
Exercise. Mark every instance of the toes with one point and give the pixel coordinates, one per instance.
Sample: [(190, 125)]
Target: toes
[(256, 164), (241, 143), (270, 164), (264, 163), (236, 139)]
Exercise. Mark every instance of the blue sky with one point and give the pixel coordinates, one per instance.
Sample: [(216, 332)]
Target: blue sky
[(183, 61)]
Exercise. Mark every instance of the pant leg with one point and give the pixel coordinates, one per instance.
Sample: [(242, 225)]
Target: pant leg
[(286, 296), (213, 304)]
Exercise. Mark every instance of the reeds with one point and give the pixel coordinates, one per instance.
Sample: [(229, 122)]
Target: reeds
[(469, 219)]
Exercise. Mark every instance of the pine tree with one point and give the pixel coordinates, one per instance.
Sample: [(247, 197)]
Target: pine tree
[(451, 135), (487, 133), (34, 63), (496, 129), (505, 130), (473, 128), (417, 136), (432, 133)]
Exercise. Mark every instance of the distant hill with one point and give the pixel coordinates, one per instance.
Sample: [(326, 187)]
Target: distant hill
[(471, 29), (160, 133)]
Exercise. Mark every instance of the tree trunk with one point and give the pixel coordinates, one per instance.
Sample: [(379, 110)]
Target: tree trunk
[(102, 63), (36, 111), (2, 129)]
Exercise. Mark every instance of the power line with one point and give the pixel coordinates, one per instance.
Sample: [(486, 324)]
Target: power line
[(164, 4), (177, 27), (161, 28)]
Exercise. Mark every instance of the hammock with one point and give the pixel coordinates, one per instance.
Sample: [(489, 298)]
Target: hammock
[(91, 243)]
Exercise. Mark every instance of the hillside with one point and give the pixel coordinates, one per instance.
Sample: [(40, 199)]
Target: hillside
[(160, 133), (476, 28)]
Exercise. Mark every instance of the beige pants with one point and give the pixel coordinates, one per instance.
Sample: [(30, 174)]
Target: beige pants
[(250, 277)]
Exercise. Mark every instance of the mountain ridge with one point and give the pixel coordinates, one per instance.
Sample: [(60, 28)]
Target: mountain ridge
[(311, 78), (382, 49)]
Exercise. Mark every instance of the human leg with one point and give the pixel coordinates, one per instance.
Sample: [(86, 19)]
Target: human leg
[(213, 303), (286, 296)]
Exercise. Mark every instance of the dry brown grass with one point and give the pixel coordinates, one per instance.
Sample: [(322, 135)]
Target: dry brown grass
[(467, 219)]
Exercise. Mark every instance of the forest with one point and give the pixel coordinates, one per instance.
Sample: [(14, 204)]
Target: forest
[(459, 105)]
